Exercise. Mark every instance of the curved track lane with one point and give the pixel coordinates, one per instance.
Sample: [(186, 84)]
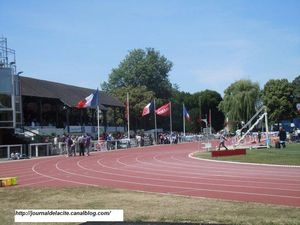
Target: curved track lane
[(162, 169)]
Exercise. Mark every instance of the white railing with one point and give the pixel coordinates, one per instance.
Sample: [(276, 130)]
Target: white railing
[(39, 150), (6, 150), (47, 149)]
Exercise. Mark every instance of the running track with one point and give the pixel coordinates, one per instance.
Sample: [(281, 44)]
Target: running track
[(162, 169)]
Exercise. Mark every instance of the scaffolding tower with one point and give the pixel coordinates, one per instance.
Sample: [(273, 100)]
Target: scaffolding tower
[(10, 96)]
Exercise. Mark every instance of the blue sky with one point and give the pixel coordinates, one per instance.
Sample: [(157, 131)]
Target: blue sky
[(211, 43)]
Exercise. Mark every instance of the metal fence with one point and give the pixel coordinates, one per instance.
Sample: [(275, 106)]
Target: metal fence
[(50, 149)]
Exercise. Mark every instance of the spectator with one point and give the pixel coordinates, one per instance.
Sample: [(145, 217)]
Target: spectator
[(282, 137), (259, 136), (81, 143), (69, 143), (87, 144)]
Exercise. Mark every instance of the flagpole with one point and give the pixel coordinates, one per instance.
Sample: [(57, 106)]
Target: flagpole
[(200, 114), (183, 118), (98, 116), (128, 124), (210, 120), (98, 122), (155, 125), (171, 121)]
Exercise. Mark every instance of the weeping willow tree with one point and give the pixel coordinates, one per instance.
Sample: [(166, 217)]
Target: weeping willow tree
[(239, 102)]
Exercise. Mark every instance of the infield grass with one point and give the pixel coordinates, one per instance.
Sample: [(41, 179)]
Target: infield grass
[(285, 156), (140, 206)]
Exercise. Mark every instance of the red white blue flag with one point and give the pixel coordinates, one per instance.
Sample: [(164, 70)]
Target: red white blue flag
[(186, 114), (90, 101), (147, 109)]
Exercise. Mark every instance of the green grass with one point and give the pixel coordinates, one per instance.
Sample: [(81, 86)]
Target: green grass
[(139, 206), (286, 156)]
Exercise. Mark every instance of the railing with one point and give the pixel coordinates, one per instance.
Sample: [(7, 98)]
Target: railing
[(39, 149), (114, 144), (50, 149), (6, 150)]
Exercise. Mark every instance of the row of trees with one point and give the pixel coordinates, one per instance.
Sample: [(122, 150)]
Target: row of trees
[(144, 74)]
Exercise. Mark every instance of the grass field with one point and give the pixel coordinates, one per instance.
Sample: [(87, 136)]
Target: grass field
[(286, 156), (139, 206)]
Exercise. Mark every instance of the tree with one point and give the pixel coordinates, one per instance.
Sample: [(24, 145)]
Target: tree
[(277, 96), (208, 99), (296, 90), (142, 68), (239, 101), (139, 97)]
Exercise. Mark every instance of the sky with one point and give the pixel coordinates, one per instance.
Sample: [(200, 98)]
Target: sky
[(211, 43)]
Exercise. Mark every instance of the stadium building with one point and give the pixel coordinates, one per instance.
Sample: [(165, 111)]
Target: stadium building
[(31, 106)]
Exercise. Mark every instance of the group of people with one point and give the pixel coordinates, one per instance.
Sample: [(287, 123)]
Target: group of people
[(165, 138), (82, 142), (15, 155)]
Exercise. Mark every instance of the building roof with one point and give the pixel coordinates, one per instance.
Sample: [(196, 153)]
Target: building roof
[(68, 94)]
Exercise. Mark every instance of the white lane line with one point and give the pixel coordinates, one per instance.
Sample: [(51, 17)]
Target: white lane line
[(170, 187), (59, 179), (186, 172), (176, 181)]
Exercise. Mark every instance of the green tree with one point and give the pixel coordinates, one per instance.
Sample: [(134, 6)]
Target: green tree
[(139, 97), (239, 102), (278, 97), (208, 99), (142, 68), (296, 90)]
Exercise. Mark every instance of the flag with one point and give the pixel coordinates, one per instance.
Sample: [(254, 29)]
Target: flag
[(90, 101), (202, 120), (148, 108), (164, 110), (186, 114)]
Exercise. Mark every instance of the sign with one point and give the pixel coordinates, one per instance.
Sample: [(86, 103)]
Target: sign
[(75, 129)]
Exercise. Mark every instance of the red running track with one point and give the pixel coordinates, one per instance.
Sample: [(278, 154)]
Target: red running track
[(162, 169)]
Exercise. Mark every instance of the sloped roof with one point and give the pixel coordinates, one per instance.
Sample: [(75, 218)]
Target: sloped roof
[(68, 94)]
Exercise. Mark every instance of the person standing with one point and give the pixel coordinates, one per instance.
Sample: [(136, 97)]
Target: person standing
[(282, 137), (87, 144), (222, 142), (69, 143), (81, 145), (259, 136), (74, 145)]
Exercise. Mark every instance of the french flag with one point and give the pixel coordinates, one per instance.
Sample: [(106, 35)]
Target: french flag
[(186, 114), (148, 108), (90, 101)]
